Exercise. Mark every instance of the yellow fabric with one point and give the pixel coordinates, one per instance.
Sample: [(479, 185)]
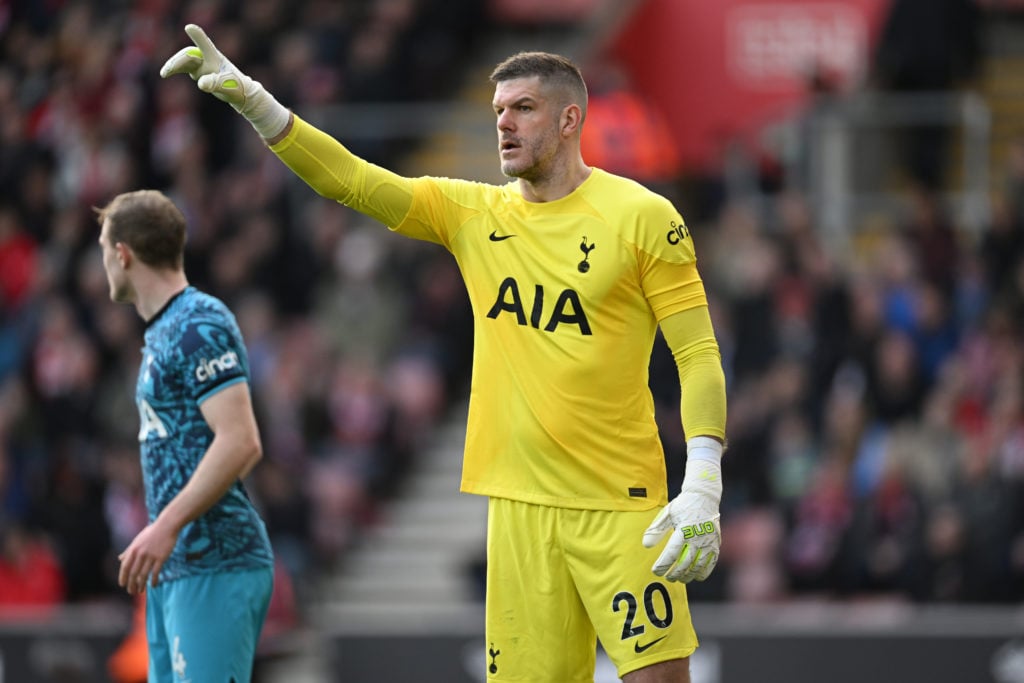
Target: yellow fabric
[(566, 296), (577, 575), (334, 172), (691, 338)]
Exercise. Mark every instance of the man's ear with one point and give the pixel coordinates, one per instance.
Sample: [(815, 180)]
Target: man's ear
[(572, 119), (124, 254)]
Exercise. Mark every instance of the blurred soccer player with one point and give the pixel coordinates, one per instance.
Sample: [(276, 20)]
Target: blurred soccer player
[(570, 271), (205, 555)]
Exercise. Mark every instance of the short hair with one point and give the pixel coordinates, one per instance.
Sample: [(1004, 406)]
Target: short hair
[(149, 223), (556, 70)]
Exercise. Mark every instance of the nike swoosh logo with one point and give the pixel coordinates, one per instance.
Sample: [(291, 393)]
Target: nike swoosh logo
[(495, 237), (638, 648)]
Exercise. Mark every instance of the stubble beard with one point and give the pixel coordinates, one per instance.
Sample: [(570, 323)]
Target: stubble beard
[(529, 168), (512, 169)]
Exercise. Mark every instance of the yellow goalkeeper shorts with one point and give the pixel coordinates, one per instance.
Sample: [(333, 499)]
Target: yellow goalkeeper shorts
[(559, 579)]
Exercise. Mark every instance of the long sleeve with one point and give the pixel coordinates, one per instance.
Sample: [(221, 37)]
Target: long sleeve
[(691, 338), (334, 172)]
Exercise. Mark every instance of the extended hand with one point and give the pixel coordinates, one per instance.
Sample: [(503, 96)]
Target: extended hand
[(693, 518), (214, 73), (211, 70)]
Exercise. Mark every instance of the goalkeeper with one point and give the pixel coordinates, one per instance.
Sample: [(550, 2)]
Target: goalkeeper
[(570, 272)]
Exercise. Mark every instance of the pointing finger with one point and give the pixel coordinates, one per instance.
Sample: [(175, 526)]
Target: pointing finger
[(202, 41)]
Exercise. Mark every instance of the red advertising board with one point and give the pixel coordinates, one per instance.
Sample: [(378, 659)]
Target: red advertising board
[(720, 68)]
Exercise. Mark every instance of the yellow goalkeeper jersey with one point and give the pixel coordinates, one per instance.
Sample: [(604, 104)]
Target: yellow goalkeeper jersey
[(566, 297)]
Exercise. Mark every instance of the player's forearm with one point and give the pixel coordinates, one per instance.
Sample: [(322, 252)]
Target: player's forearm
[(334, 172), (229, 458), (691, 339), (702, 407)]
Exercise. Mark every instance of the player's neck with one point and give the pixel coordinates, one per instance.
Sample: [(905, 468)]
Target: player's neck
[(558, 183), (154, 289)]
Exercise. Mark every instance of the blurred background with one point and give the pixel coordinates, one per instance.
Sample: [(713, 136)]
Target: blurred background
[(852, 172)]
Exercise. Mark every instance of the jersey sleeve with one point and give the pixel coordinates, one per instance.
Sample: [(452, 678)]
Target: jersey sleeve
[(667, 260), (334, 172), (430, 209), (213, 356)]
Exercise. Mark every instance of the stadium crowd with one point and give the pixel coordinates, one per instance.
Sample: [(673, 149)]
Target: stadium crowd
[(876, 408)]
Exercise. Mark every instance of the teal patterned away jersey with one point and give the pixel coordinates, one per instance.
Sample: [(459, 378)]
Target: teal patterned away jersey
[(193, 350)]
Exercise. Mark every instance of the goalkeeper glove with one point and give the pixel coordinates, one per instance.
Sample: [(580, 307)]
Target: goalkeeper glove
[(692, 516), (215, 74)]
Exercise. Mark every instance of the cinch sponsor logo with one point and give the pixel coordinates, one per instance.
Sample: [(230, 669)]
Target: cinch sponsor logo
[(208, 369), (677, 233)]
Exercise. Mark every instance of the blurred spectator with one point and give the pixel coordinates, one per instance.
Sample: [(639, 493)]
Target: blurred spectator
[(17, 261), (30, 573), (881, 538), (287, 509), (932, 239), (625, 134), (819, 522), (18, 273), (896, 388), (753, 553)]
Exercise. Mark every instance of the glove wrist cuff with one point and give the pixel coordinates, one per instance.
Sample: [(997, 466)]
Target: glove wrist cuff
[(704, 448), (268, 116), (703, 468)]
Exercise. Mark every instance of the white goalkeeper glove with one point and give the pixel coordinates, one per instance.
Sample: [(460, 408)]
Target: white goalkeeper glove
[(692, 517), (215, 74)]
